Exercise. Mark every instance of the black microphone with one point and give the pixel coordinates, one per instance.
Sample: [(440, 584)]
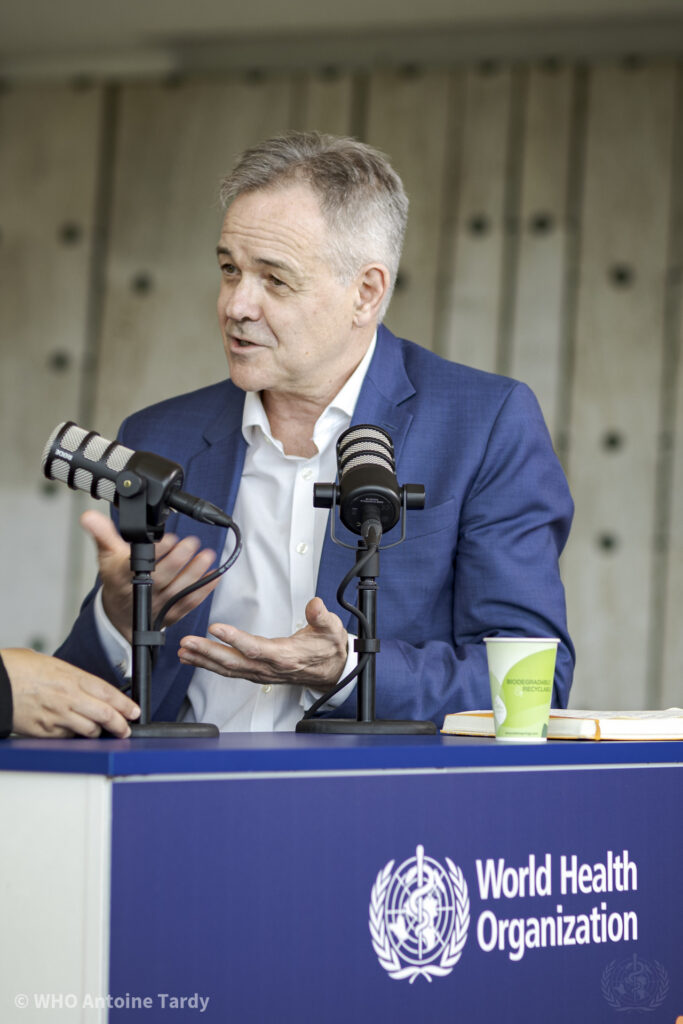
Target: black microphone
[(85, 461), (368, 488), (370, 502)]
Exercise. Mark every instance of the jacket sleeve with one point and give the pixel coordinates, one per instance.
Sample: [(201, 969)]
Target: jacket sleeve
[(6, 708), (83, 648)]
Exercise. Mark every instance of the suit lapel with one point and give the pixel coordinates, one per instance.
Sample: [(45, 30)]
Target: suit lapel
[(382, 402), (385, 390), (212, 473)]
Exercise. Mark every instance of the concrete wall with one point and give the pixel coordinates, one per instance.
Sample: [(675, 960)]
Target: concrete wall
[(545, 241)]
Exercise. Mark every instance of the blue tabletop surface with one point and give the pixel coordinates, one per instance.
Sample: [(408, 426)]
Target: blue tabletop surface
[(291, 752)]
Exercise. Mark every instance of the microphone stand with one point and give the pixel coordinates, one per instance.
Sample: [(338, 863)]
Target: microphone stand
[(141, 524), (367, 570)]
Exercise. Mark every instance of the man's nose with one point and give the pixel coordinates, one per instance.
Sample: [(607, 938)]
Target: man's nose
[(242, 300)]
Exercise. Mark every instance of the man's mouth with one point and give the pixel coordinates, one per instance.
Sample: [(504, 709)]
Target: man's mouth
[(244, 342)]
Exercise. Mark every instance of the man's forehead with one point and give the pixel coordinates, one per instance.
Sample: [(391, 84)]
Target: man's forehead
[(282, 199), (278, 225)]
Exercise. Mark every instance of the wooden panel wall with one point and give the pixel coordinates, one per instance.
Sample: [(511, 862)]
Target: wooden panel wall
[(472, 303), (325, 102), (408, 118), (49, 166), (159, 333), (668, 646), (537, 331), (544, 237), (671, 639), (618, 368)]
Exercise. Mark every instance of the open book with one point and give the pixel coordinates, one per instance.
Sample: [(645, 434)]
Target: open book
[(583, 725)]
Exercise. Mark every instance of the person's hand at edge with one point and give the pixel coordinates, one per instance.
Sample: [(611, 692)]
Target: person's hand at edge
[(53, 699)]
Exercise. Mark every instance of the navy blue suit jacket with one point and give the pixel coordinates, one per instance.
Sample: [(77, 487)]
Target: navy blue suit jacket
[(481, 559)]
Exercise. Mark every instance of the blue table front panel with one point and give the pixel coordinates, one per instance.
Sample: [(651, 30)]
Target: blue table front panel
[(256, 894)]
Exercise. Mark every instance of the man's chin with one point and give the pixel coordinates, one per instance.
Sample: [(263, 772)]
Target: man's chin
[(247, 378)]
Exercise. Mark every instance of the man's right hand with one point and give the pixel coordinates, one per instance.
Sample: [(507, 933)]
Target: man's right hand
[(179, 563)]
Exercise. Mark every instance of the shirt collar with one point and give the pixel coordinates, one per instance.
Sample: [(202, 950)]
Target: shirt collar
[(344, 402)]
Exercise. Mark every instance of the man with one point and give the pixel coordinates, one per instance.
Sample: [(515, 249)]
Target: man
[(308, 256), (47, 698)]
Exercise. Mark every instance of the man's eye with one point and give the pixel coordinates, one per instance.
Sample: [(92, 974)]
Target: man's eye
[(228, 269), (277, 282)]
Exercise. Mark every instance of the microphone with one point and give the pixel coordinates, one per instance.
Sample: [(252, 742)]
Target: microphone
[(369, 497), (368, 488), (370, 501), (85, 461)]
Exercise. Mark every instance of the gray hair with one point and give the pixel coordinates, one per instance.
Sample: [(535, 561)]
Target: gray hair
[(361, 196)]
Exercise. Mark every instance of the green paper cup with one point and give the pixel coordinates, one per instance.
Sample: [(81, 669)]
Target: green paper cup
[(521, 672)]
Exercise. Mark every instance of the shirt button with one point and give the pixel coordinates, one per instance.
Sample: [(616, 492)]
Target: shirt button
[(267, 688), (307, 474), (301, 548)]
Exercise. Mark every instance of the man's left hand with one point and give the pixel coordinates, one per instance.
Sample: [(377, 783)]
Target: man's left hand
[(314, 656)]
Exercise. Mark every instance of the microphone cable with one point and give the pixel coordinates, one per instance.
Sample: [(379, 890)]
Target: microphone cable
[(364, 630), (209, 578), (202, 582)]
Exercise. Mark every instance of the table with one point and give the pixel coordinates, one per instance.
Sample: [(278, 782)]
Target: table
[(337, 879)]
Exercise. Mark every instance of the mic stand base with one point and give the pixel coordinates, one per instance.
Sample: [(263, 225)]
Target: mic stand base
[(173, 730), (378, 727)]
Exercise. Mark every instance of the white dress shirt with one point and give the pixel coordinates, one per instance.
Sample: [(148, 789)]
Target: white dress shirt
[(267, 589)]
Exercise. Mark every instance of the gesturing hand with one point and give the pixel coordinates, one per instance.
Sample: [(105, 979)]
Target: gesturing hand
[(179, 563), (314, 656)]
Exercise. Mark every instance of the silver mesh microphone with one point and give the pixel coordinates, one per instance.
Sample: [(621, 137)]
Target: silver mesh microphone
[(84, 461), (359, 446)]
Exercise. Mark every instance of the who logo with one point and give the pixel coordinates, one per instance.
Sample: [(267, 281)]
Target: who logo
[(419, 917)]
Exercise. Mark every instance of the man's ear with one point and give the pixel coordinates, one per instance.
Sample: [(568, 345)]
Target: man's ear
[(372, 286)]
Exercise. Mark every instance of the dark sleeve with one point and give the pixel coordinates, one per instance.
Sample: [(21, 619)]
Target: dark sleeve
[(5, 702), (82, 646)]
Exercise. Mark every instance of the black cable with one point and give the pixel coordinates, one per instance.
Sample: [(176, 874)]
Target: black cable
[(158, 622), (364, 630), (209, 578)]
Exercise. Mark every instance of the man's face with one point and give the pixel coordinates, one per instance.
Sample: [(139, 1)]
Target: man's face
[(287, 321)]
